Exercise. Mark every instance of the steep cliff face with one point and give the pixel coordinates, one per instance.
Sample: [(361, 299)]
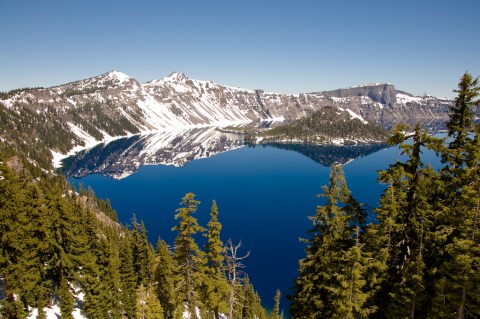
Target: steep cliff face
[(383, 93)]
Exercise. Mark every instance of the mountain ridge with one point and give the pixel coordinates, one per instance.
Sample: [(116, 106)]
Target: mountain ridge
[(114, 104)]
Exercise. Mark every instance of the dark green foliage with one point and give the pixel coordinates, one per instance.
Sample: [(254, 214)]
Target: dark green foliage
[(53, 246), (332, 279), (93, 119), (456, 293), (164, 279), (251, 305), (189, 274), (33, 134), (49, 243), (148, 305), (142, 253), (107, 209), (66, 299), (32, 129), (216, 288), (324, 125), (403, 236), (127, 276)]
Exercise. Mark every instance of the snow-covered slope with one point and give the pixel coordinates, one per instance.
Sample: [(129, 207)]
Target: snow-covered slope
[(114, 104)]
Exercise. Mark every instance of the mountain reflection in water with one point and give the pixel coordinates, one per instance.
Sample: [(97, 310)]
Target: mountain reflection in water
[(122, 157)]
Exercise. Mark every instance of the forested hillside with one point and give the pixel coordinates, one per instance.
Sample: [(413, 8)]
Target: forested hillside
[(64, 247), (326, 126), (421, 259)]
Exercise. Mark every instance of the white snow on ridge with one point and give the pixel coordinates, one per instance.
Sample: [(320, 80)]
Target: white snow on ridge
[(115, 75), (354, 115), (403, 99)]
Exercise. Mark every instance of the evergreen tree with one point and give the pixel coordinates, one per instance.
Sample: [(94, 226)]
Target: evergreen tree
[(404, 236), (66, 300), (331, 281), (188, 258), (154, 308), (148, 305), (276, 306), (458, 275), (163, 276), (142, 253), (127, 277), (252, 306), (216, 287)]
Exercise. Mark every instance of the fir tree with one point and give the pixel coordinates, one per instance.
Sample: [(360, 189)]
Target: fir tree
[(163, 276), (148, 305), (322, 289), (188, 258), (66, 300), (127, 277), (251, 306), (276, 306), (403, 238), (142, 253), (458, 275), (216, 286)]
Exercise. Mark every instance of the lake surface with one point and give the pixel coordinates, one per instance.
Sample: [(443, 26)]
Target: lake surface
[(264, 195)]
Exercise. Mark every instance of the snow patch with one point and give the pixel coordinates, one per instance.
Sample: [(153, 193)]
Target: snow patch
[(354, 115), (340, 99), (404, 99), (115, 75)]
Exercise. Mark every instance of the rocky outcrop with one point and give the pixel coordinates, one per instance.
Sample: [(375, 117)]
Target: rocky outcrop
[(383, 93)]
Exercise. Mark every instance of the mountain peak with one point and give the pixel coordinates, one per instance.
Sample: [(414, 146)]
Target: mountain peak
[(116, 75), (177, 76)]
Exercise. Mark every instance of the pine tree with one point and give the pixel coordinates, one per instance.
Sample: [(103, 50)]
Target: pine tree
[(252, 305), (66, 300), (458, 275), (163, 276), (404, 236), (142, 253), (188, 258), (323, 289), (127, 276), (154, 308), (276, 306), (216, 287)]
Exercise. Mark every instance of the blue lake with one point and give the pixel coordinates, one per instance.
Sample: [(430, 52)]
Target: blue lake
[(264, 195)]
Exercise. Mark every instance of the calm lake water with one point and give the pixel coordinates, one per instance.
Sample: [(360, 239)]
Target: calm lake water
[(264, 195)]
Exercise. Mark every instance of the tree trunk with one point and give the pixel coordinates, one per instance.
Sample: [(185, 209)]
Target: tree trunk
[(461, 309)]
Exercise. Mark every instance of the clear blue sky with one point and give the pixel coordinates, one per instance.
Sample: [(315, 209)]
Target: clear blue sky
[(281, 46)]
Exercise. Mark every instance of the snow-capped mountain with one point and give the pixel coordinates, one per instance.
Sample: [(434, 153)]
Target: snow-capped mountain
[(113, 104)]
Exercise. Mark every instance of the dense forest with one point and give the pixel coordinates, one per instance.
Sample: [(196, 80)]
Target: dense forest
[(322, 127), (61, 245), (422, 258)]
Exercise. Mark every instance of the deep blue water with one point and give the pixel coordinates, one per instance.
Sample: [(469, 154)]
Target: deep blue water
[(264, 195)]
